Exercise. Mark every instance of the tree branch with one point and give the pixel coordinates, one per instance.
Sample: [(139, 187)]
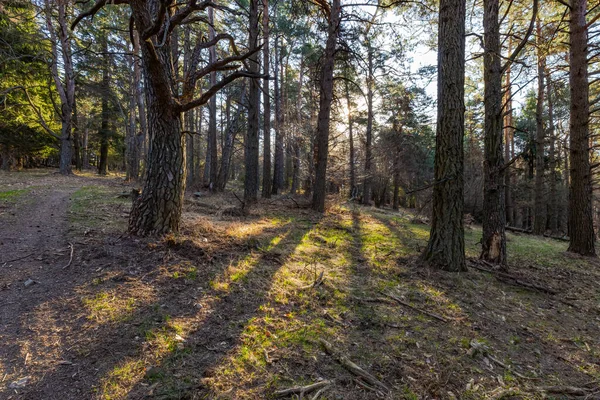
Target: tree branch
[(518, 49)]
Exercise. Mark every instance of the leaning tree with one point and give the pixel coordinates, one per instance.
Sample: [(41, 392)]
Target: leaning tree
[(158, 209)]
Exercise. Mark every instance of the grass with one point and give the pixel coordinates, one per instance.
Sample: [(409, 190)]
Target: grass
[(235, 309), (93, 207)]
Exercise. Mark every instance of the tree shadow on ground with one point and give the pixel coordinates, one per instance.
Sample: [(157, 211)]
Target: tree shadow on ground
[(185, 318)]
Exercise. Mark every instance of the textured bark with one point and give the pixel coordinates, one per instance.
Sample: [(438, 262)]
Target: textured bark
[(325, 99), (539, 208), (251, 142), (369, 132), (142, 136), (509, 135), (581, 229), (60, 42), (104, 131), (493, 244), (552, 218), (211, 148), (446, 246), (267, 182), (279, 159), (86, 155)]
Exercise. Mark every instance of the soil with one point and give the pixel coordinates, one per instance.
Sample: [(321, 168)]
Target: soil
[(233, 307)]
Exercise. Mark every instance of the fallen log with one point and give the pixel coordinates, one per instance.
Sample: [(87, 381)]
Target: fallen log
[(529, 232)]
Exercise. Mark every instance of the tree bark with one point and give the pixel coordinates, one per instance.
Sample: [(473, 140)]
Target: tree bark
[(267, 182), (251, 142), (539, 219), (104, 132), (446, 246), (552, 218), (581, 229), (325, 99), (369, 132), (493, 243), (211, 146), (509, 133), (279, 159)]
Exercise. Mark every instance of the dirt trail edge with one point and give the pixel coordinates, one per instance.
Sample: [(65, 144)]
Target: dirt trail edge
[(34, 236)]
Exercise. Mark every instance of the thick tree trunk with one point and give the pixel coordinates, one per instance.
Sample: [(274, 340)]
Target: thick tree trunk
[(539, 219), (581, 229), (446, 246), (267, 182), (325, 99), (251, 142), (493, 244)]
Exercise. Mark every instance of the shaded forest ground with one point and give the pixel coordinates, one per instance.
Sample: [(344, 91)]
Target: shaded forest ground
[(230, 309)]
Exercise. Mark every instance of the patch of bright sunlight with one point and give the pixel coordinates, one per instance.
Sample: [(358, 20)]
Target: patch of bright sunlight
[(109, 306), (119, 382)]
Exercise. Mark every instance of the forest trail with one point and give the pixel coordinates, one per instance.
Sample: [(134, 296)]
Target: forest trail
[(235, 308)]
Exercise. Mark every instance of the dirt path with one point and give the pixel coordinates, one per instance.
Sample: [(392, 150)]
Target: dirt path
[(36, 232)]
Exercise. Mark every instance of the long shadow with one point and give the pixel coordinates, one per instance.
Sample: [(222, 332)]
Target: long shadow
[(95, 354), (501, 314)]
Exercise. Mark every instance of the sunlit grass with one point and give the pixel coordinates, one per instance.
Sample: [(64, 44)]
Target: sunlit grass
[(109, 306), (11, 196), (117, 384)]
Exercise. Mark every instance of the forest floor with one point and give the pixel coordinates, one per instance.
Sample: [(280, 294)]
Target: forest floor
[(238, 308)]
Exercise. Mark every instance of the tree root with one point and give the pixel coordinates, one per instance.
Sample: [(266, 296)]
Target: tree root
[(302, 390)]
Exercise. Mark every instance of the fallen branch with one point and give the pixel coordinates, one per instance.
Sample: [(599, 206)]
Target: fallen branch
[(302, 390), (572, 390), (70, 257), (503, 277), (353, 368), (506, 367), (528, 232), (404, 303), (17, 259)]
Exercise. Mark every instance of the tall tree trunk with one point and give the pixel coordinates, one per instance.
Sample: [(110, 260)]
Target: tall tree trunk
[(581, 228), (369, 131), (552, 219), (267, 182), (351, 143), (231, 133), (446, 246), (104, 132), (539, 219), (493, 244), (278, 165), (76, 139), (86, 154), (211, 146), (325, 99), (509, 133), (251, 142), (142, 135)]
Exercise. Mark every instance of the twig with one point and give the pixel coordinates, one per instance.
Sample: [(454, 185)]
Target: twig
[(400, 301), (241, 201), (301, 390), (506, 367), (70, 257), (502, 275), (572, 390), (17, 259), (353, 368), (316, 283)]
